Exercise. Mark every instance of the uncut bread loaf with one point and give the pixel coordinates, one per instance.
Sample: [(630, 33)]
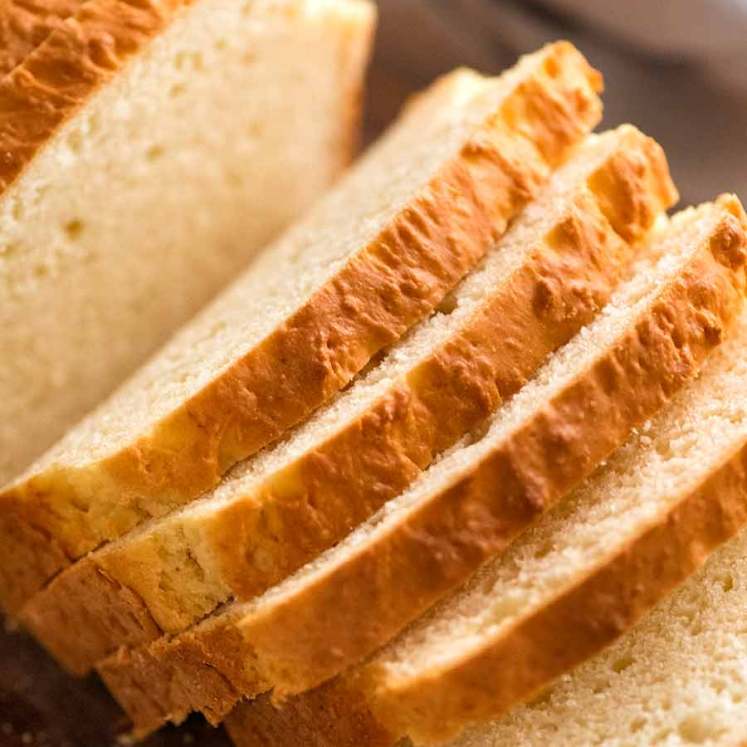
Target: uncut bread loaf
[(679, 678), (108, 241), (537, 287), (598, 560), (375, 256), (470, 505)]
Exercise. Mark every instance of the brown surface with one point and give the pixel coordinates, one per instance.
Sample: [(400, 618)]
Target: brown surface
[(25, 24), (575, 266), (539, 464)]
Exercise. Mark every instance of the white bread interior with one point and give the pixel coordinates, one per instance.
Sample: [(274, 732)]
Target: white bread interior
[(678, 679), (224, 128)]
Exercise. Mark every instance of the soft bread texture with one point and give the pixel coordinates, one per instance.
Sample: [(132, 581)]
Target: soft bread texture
[(678, 679), (554, 269), (376, 255), (108, 240), (650, 340)]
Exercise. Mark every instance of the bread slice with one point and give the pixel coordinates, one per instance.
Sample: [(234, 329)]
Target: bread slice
[(625, 365), (375, 256), (108, 243), (679, 678), (585, 572), (548, 276)]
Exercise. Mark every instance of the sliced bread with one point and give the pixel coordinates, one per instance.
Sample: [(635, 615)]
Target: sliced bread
[(569, 586), (470, 505), (375, 256), (108, 242), (554, 269), (678, 679)]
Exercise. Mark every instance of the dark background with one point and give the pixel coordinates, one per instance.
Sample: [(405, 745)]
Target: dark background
[(652, 80)]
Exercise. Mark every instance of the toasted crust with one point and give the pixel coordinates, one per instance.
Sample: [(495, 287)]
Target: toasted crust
[(570, 275), (332, 715), (370, 711), (25, 25), (373, 299), (456, 529)]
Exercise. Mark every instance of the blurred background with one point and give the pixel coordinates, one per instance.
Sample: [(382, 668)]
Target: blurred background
[(676, 68)]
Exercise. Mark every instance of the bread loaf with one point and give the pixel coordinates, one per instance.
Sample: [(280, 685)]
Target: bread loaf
[(471, 504), (375, 256), (544, 280), (475, 654)]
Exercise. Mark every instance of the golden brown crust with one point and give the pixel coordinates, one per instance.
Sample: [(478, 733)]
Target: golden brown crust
[(168, 680), (598, 609), (448, 536), (541, 307), (379, 293), (25, 24), (339, 483)]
